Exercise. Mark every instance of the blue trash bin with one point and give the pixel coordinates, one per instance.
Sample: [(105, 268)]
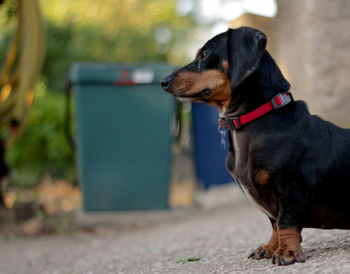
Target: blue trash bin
[(210, 156)]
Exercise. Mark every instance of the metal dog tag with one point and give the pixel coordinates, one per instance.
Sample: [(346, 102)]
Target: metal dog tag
[(222, 132)]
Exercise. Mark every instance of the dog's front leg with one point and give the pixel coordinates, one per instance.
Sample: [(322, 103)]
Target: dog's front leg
[(292, 208), (289, 249), (267, 250)]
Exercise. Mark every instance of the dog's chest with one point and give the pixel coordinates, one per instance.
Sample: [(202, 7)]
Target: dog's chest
[(262, 198)]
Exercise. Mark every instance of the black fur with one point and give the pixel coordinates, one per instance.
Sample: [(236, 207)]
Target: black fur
[(307, 159)]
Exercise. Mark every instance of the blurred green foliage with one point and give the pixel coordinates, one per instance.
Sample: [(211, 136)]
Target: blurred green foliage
[(122, 31), (42, 148)]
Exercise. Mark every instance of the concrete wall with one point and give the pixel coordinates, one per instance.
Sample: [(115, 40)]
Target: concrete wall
[(310, 41)]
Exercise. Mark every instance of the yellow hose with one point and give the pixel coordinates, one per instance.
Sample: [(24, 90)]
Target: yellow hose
[(17, 79)]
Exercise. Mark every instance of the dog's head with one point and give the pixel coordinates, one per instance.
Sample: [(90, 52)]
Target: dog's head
[(220, 65)]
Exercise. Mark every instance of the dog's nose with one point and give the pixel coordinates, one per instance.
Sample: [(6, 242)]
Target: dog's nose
[(165, 83)]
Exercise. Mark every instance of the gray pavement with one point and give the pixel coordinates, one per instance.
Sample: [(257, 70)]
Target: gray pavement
[(221, 232)]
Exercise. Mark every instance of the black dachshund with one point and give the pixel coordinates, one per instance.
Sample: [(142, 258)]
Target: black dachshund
[(294, 166)]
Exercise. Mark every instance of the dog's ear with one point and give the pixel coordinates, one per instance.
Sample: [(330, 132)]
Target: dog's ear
[(244, 50)]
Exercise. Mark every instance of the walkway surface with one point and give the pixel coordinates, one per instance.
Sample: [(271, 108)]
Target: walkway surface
[(221, 233)]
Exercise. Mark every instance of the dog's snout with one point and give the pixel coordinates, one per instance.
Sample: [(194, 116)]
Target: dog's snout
[(166, 82)]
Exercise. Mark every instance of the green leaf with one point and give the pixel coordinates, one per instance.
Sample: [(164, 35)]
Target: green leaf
[(188, 258)]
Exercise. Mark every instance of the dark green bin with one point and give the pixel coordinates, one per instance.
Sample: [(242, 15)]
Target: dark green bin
[(124, 135)]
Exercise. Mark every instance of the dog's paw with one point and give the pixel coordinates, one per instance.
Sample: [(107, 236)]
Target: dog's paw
[(263, 252), (288, 255)]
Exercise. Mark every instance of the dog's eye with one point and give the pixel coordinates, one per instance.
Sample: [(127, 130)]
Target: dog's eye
[(203, 55)]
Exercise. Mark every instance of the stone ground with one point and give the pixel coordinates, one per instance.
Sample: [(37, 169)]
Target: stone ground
[(221, 232)]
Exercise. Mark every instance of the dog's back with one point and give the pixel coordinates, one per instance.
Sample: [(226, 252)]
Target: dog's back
[(330, 206)]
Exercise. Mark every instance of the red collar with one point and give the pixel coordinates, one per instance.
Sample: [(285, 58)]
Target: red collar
[(233, 123)]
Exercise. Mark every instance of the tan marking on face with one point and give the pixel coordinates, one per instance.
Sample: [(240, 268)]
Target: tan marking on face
[(225, 65), (261, 176), (190, 83)]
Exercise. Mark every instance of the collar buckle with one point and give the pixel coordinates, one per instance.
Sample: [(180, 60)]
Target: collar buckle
[(280, 100), (231, 123), (235, 122)]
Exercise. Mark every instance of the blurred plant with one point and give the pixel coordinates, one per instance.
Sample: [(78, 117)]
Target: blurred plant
[(42, 148), (9, 8), (124, 31)]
